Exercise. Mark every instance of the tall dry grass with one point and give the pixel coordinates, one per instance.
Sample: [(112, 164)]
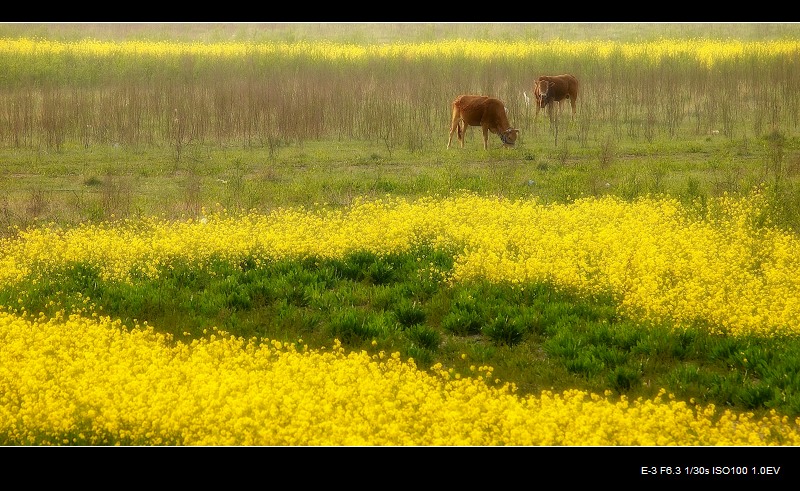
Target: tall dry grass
[(183, 95)]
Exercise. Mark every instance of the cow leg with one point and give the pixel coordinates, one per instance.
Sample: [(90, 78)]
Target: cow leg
[(453, 127), (572, 103), (485, 137)]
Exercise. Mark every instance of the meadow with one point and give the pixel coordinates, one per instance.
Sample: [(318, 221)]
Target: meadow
[(257, 237)]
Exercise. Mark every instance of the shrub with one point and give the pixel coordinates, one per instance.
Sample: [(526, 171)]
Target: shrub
[(754, 395), (529, 320), (380, 272), (350, 327), (423, 357), (463, 322), (624, 378), (503, 331), (424, 337), (584, 364), (409, 313)]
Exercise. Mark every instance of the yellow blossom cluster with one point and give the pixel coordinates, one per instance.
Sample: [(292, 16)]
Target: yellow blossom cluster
[(89, 381), (707, 51), (658, 260)]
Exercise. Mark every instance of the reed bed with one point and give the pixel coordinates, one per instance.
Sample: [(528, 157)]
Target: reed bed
[(172, 93)]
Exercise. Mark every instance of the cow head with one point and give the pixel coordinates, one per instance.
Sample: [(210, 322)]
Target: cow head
[(509, 136), (542, 91)]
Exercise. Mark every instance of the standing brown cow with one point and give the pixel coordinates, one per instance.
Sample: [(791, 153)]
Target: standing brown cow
[(488, 113), (549, 88)]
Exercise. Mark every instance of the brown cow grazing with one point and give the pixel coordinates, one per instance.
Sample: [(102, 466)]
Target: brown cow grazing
[(488, 113), (549, 88)]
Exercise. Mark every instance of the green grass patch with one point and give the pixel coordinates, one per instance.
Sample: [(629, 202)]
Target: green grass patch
[(536, 336)]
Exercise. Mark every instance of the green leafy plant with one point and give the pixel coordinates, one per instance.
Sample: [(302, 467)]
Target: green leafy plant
[(409, 313), (501, 331), (424, 337), (463, 322)]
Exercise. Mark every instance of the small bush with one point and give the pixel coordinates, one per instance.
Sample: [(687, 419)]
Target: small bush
[(350, 327), (624, 378), (611, 356), (424, 337), (503, 331), (529, 320), (462, 322), (423, 357), (380, 273), (585, 364), (238, 300), (754, 396), (563, 345), (92, 181), (409, 313)]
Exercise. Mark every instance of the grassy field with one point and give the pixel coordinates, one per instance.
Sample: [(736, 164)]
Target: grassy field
[(187, 123), (95, 128)]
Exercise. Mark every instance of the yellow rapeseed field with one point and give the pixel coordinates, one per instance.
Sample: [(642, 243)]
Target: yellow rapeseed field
[(88, 381), (707, 51), (85, 379), (658, 260)]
